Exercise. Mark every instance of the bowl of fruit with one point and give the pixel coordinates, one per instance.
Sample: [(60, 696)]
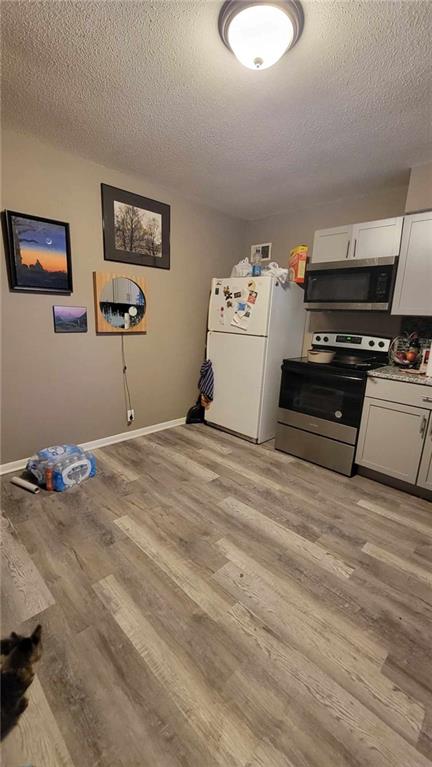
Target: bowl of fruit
[(405, 351)]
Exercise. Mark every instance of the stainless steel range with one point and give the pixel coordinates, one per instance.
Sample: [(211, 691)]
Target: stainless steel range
[(320, 404)]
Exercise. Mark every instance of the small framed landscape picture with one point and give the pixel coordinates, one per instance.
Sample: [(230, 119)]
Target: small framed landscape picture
[(136, 230), (38, 253), (262, 251), (70, 319)]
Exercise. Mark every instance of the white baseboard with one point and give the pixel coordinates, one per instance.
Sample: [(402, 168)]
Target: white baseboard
[(6, 468)]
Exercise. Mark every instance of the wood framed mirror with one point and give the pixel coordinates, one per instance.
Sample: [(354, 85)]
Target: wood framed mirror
[(120, 303)]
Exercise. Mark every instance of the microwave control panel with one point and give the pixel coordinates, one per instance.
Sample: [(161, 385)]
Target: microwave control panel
[(381, 286)]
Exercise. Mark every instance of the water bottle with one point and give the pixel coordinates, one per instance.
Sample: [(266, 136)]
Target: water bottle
[(256, 264)]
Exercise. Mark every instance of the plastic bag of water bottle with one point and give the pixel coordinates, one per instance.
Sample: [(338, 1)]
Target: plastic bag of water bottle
[(242, 269), (61, 466)]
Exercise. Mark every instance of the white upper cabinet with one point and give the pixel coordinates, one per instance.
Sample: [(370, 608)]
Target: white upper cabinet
[(331, 244), (376, 239), (413, 289), (372, 239)]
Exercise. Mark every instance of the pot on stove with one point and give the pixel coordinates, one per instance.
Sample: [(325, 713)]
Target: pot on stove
[(322, 356)]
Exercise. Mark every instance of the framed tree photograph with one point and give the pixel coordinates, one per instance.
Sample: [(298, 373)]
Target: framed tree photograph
[(136, 230), (38, 253)]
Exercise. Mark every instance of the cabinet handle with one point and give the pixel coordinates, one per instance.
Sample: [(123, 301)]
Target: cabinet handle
[(427, 399), (355, 246), (424, 421), (348, 244)]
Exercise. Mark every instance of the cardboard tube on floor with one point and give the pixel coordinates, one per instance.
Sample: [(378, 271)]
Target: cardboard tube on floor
[(26, 485)]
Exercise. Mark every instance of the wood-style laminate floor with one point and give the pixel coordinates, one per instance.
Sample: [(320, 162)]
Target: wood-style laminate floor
[(206, 602)]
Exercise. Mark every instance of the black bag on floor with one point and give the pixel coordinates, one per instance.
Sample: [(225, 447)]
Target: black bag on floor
[(195, 413)]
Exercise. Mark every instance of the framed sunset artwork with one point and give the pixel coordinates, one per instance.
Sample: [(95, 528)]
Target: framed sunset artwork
[(38, 253)]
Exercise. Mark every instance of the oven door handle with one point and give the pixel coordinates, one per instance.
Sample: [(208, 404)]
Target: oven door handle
[(311, 372)]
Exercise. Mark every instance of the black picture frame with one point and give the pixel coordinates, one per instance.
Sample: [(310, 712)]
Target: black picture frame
[(69, 323), (114, 237), (39, 233)]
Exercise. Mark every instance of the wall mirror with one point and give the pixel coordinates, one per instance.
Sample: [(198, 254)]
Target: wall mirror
[(120, 303)]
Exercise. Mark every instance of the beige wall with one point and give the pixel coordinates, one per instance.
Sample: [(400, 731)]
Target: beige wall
[(419, 195), (298, 226), (68, 388)]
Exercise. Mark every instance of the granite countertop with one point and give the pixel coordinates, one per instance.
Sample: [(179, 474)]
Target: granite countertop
[(396, 374)]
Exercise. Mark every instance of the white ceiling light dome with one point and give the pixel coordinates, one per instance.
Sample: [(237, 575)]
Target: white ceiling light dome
[(260, 32)]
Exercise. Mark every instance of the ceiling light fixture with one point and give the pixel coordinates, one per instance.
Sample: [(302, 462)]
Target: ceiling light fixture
[(259, 33)]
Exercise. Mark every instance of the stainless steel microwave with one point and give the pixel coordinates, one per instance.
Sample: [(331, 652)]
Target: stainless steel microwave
[(365, 284)]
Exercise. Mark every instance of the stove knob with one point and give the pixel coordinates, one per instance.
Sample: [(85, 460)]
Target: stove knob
[(371, 343), (325, 339), (381, 344), (318, 338)]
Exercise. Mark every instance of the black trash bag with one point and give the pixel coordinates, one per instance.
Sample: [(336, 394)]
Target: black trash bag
[(195, 414)]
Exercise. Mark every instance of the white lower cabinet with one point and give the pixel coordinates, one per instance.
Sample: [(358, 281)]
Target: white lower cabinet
[(425, 472), (395, 437), (391, 438)]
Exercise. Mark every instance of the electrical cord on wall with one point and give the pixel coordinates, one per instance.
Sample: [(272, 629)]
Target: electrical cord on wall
[(128, 401)]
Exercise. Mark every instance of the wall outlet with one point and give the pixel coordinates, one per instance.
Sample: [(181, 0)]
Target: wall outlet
[(131, 415)]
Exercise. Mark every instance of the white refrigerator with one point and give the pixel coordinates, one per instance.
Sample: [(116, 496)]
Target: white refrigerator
[(253, 324)]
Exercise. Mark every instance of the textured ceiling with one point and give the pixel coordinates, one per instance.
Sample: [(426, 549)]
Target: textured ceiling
[(149, 87)]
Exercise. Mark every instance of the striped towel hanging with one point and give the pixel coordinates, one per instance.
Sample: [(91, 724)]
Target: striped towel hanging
[(206, 381)]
